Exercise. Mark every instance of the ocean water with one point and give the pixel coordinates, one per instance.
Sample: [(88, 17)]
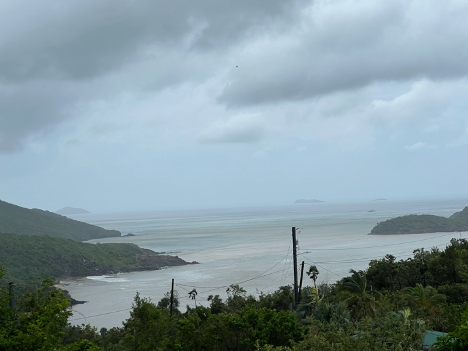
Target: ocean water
[(247, 246)]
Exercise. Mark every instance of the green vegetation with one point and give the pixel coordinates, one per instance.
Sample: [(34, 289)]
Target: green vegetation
[(29, 257), (37, 321), (415, 224), (19, 220), (388, 306), (456, 340), (47, 247)]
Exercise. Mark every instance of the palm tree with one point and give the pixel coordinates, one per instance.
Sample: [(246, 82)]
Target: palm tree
[(401, 316), (424, 296), (363, 302), (357, 283), (329, 313), (309, 302), (341, 314), (324, 312), (313, 274), (193, 295)]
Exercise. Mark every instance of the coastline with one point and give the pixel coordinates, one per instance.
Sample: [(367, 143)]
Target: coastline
[(237, 246)]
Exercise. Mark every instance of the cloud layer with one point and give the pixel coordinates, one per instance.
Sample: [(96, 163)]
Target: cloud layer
[(59, 60), (351, 45), (57, 55), (208, 101)]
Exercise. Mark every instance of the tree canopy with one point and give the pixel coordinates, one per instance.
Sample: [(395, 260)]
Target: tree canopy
[(388, 306)]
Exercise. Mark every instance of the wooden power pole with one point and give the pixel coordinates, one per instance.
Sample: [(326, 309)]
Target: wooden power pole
[(295, 265), (172, 297), (300, 284)]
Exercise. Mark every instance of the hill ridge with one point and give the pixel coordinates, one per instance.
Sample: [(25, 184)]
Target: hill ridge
[(34, 256), (23, 221), (418, 224)]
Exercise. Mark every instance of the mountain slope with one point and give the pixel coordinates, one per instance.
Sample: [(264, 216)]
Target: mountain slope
[(26, 257), (19, 220)]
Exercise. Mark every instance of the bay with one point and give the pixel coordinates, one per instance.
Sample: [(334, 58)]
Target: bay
[(247, 246)]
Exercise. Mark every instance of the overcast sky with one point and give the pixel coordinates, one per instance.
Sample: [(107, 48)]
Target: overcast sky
[(130, 105)]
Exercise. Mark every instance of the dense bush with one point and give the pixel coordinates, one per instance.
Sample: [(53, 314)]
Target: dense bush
[(389, 306)]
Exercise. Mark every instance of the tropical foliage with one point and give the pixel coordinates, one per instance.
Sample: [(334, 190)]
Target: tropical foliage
[(389, 306), (313, 273), (456, 340), (36, 320)]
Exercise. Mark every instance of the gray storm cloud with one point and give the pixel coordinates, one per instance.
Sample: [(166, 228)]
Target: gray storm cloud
[(57, 55), (31, 108), (85, 39), (352, 46), (46, 47)]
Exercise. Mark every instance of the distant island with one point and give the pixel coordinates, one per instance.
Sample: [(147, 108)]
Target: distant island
[(418, 224), (71, 211), (307, 201), (23, 221)]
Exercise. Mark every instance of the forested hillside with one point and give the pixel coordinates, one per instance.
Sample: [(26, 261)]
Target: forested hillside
[(19, 220), (416, 224), (29, 257), (389, 306)]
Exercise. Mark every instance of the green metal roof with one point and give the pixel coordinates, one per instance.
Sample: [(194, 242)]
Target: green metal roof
[(429, 338)]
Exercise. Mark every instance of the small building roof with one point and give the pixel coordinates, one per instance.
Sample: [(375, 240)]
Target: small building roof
[(429, 338)]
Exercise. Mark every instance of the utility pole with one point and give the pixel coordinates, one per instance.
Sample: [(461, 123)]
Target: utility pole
[(300, 284), (172, 297), (295, 265)]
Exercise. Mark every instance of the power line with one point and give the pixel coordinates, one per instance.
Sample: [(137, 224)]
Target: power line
[(371, 247), (107, 291), (203, 292), (286, 262), (364, 258), (224, 286), (334, 262), (264, 274), (261, 290), (101, 314), (284, 270), (323, 267), (198, 295), (288, 272)]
